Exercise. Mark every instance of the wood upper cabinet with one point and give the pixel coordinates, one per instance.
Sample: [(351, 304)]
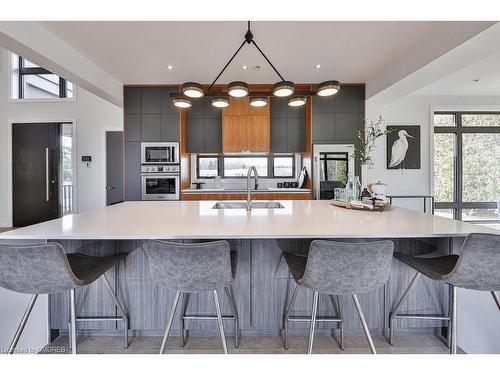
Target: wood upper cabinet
[(245, 128)]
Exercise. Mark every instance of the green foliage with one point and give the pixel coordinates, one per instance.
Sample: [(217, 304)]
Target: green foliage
[(367, 139)]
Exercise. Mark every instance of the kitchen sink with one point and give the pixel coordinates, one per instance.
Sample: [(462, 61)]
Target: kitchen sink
[(243, 205)]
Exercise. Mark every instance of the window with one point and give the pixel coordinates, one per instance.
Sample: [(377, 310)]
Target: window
[(237, 166), (207, 166), (467, 165), (334, 166), (283, 166), (34, 82)]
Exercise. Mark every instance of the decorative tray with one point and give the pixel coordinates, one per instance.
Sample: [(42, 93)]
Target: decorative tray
[(358, 205)]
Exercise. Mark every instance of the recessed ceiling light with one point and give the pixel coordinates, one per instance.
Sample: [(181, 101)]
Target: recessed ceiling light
[(318, 66), (245, 67), (170, 67)]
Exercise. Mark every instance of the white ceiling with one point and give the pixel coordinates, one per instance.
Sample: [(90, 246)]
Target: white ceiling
[(463, 82), (139, 52)]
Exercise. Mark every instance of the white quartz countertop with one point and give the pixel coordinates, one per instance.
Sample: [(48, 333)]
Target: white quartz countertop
[(197, 219)]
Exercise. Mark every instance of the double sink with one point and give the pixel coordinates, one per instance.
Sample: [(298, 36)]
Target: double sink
[(243, 205)]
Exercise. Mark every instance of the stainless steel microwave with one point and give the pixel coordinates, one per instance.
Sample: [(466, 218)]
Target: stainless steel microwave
[(160, 152)]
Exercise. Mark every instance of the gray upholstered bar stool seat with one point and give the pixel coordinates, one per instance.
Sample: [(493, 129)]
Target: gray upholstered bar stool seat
[(47, 269), (338, 269), (194, 268), (477, 267)]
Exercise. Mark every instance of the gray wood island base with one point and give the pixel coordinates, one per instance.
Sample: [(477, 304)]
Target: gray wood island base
[(262, 284)]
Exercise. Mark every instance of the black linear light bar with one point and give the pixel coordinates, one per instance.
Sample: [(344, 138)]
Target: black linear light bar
[(240, 89)]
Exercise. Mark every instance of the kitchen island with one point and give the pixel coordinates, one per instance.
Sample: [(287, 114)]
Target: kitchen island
[(262, 284)]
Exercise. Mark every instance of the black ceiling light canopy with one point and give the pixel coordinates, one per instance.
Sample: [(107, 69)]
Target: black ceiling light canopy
[(282, 88)]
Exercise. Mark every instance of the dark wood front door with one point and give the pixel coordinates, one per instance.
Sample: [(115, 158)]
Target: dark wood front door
[(36, 151)]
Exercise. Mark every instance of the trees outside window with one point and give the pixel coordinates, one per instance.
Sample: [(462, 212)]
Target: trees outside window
[(467, 165)]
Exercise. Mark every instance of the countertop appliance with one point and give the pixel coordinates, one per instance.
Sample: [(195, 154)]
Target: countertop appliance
[(160, 182), (332, 166), (160, 152)]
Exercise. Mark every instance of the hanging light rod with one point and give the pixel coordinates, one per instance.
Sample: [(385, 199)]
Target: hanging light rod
[(283, 88)]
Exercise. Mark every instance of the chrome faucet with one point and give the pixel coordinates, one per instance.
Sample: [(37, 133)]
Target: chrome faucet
[(249, 177)]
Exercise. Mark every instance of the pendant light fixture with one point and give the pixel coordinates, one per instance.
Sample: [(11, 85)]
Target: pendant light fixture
[(220, 102), (192, 90), (182, 102), (297, 102), (258, 101), (328, 88), (239, 89), (283, 89)]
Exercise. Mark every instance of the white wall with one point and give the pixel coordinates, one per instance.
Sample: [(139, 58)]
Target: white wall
[(92, 115), (416, 110), (478, 316)]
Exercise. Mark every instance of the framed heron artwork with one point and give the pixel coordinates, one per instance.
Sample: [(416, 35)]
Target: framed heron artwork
[(403, 147)]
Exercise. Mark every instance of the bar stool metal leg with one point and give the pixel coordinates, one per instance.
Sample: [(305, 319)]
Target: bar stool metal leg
[(22, 324), (287, 314), (495, 297), (69, 322), (232, 304), (219, 321), (341, 323), (398, 305), (313, 322), (453, 321), (120, 307), (72, 319), (363, 323), (169, 323), (185, 302)]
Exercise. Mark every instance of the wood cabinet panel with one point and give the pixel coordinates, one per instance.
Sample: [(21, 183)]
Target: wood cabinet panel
[(258, 137), (234, 133), (242, 107)]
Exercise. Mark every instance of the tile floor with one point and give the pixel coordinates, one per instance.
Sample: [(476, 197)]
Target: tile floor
[(421, 344)]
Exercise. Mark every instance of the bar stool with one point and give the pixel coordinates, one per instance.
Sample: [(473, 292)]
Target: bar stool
[(338, 268), (194, 268), (477, 267), (47, 269)]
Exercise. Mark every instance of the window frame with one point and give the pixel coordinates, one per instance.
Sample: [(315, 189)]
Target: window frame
[(198, 157), (270, 165), (21, 71), (458, 205)]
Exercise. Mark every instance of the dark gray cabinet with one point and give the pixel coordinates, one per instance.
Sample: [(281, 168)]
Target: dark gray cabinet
[(132, 127), (336, 119), (151, 127), (204, 127), (132, 171), (132, 100), (288, 127), (151, 100), (149, 116), (169, 127)]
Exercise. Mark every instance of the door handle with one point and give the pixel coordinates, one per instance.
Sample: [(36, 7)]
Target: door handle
[(110, 187), (47, 186)]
